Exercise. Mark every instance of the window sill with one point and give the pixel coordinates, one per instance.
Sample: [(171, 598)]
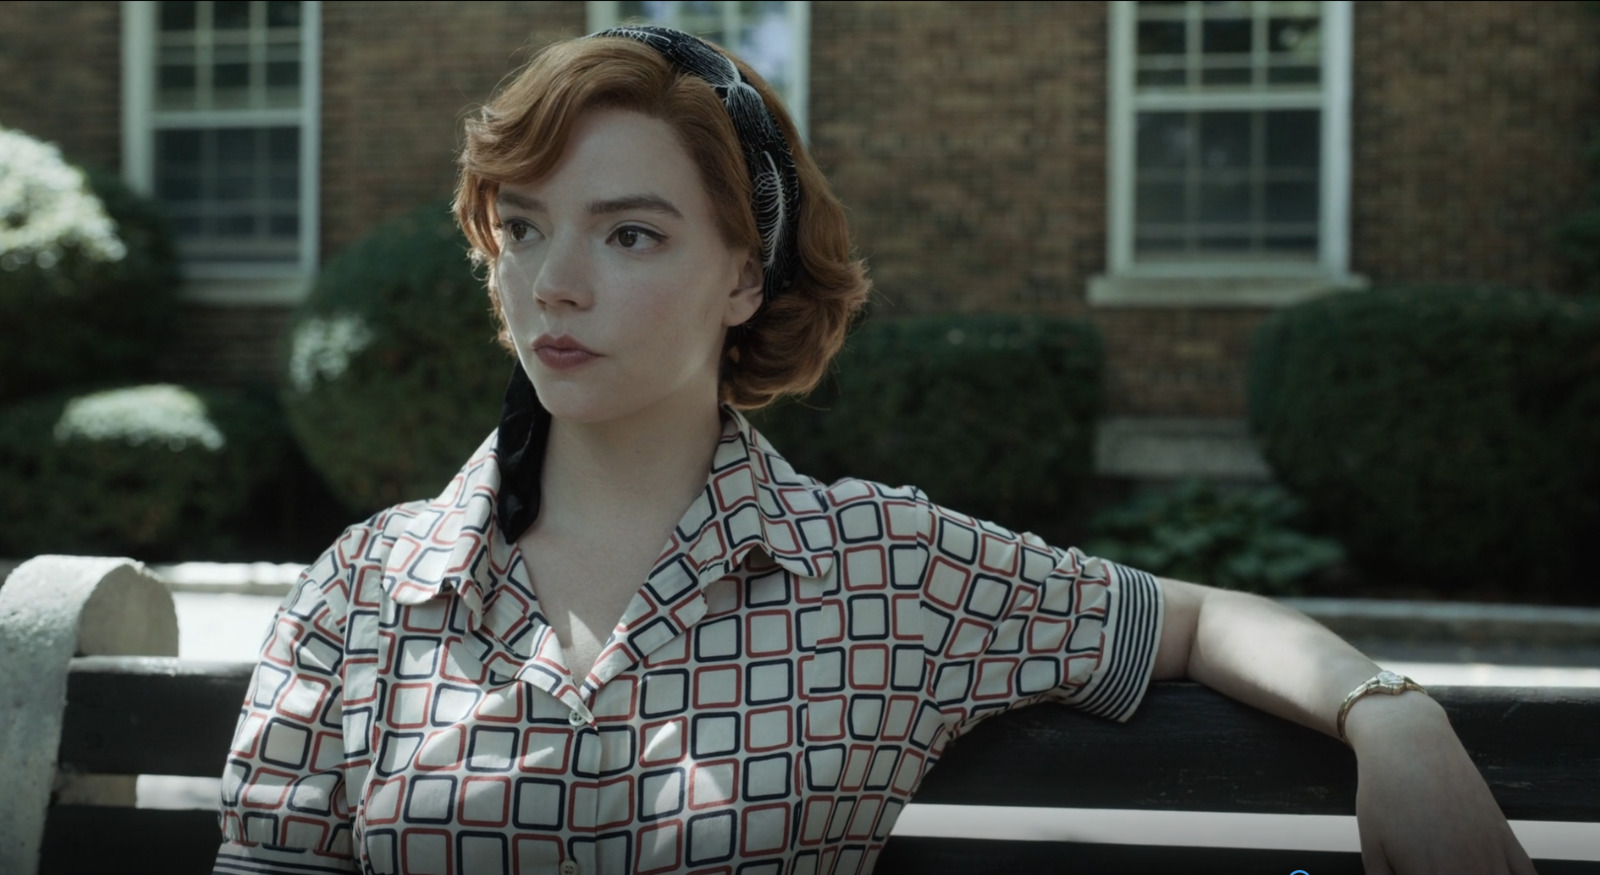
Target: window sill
[(1217, 291), (246, 291)]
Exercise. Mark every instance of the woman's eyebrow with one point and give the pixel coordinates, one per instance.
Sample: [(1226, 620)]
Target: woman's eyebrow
[(650, 202), (521, 202)]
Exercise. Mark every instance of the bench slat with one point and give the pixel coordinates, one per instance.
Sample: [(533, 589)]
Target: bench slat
[(90, 838), (1191, 749), (908, 855), (152, 715), (1187, 748)]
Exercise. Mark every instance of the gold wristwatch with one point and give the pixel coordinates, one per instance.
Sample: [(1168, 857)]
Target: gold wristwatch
[(1386, 682)]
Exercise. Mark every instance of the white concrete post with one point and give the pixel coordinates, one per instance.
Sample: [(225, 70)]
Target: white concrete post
[(53, 608)]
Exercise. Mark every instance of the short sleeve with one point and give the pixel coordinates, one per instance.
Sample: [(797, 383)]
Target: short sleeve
[(1009, 620), (284, 803)]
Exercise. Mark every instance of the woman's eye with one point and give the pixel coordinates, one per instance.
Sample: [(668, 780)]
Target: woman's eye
[(516, 230), (633, 237)]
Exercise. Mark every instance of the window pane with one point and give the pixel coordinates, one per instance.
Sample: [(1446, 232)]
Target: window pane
[(177, 16), (1232, 45), (283, 74), (1162, 37), (283, 14), (1162, 77), (1226, 36), (230, 15), (1227, 183), (1294, 139), (240, 75), (177, 165), (232, 193), (1225, 75), (1225, 140), (1222, 202), (1165, 140), (1292, 202), (1294, 76), (1300, 37), (1160, 203)]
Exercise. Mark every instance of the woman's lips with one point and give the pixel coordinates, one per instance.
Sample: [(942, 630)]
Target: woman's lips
[(562, 353)]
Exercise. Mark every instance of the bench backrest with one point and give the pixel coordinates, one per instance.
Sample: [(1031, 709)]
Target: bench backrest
[(1187, 749)]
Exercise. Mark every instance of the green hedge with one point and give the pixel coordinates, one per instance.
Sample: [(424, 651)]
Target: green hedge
[(156, 472), (991, 415), (391, 375), (84, 321), (1445, 436)]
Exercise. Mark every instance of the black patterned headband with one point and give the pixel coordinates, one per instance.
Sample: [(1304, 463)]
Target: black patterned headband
[(774, 186)]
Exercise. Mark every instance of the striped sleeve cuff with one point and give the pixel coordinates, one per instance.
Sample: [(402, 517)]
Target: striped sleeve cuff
[(1134, 626), (239, 858)]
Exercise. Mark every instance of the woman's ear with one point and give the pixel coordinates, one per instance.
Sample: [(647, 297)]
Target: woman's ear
[(745, 299)]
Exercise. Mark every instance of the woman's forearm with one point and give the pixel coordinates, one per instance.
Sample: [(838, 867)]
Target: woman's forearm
[(1277, 659)]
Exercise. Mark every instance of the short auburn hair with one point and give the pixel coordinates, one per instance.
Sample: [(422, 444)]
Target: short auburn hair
[(518, 137)]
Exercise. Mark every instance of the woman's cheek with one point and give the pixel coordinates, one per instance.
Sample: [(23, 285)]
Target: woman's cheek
[(516, 299)]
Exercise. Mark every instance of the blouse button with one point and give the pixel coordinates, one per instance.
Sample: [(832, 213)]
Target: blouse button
[(567, 866), (575, 719)]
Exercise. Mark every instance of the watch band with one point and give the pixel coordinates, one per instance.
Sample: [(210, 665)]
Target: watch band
[(1386, 682)]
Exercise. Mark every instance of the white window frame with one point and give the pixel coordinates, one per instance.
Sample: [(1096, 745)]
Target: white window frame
[(240, 283), (1211, 282), (604, 14)]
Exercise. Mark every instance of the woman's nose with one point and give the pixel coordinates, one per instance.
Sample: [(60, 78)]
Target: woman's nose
[(563, 277)]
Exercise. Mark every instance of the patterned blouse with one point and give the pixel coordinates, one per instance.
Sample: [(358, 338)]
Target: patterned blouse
[(796, 661)]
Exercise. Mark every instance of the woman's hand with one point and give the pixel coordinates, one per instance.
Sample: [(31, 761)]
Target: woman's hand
[(1422, 807)]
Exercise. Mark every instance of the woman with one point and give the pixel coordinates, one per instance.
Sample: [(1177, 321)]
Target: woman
[(479, 683)]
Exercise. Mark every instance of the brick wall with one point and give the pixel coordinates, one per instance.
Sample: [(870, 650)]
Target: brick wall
[(61, 77), (1470, 123), (969, 141), (398, 79)]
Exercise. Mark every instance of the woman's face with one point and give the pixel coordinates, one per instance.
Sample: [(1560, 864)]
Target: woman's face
[(616, 284)]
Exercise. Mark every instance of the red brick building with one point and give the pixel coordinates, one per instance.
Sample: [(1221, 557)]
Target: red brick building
[(1171, 171)]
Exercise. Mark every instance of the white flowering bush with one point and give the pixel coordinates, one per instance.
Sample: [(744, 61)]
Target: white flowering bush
[(88, 274), (159, 415), (153, 471), (321, 348), (46, 207)]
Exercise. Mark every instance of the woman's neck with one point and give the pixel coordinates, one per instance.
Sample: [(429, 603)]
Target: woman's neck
[(627, 473)]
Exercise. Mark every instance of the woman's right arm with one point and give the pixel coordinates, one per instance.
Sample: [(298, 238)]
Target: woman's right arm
[(284, 801)]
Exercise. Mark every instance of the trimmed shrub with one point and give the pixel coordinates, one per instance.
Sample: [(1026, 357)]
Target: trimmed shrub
[(157, 472), (1579, 235), (391, 374), (88, 275), (991, 415), (1245, 539), (1445, 436)]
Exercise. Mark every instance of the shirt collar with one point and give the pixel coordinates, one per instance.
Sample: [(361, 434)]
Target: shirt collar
[(752, 498)]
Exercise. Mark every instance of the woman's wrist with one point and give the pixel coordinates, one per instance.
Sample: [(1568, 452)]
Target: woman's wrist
[(1380, 720)]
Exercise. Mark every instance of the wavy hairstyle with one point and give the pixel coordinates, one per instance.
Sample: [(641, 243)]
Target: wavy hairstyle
[(519, 136)]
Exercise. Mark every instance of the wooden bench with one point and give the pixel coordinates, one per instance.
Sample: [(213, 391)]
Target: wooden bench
[(1188, 749)]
